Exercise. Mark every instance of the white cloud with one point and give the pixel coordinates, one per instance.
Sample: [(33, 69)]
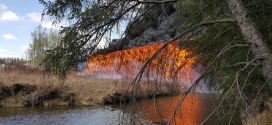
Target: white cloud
[(24, 48), (34, 17), (9, 16), (9, 36), (5, 53), (50, 25), (3, 7), (2, 50), (23, 27)]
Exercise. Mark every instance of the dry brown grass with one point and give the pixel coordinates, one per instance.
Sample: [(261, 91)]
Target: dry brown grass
[(264, 118), (82, 91), (86, 91)]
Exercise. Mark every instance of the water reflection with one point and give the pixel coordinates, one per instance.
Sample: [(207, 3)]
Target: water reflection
[(59, 116), (193, 109)]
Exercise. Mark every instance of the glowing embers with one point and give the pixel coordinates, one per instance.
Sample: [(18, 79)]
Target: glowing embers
[(169, 64)]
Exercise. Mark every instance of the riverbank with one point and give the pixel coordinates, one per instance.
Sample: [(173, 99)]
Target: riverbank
[(30, 88)]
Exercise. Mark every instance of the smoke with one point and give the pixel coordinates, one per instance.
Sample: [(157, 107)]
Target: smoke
[(186, 78)]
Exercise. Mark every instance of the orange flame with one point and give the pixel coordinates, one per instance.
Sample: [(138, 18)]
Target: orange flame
[(127, 63)]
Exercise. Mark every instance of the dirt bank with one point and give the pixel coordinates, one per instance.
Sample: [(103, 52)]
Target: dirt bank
[(27, 95)]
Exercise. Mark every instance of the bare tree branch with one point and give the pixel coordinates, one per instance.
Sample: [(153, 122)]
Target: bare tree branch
[(155, 1)]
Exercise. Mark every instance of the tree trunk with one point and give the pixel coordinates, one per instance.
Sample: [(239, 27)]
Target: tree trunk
[(252, 36)]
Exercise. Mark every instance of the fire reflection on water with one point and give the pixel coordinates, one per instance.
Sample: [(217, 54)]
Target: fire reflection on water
[(193, 110)]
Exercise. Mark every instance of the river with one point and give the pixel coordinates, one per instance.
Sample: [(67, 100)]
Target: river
[(195, 109)]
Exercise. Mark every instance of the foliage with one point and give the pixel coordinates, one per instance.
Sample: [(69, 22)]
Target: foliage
[(90, 21), (11, 62), (236, 67), (261, 14), (42, 41), (231, 66)]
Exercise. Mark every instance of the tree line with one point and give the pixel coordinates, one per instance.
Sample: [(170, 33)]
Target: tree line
[(11, 61), (43, 40)]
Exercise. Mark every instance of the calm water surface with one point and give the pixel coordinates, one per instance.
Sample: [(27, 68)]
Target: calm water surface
[(194, 109)]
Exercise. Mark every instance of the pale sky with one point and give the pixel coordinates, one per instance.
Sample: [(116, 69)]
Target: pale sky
[(18, 18)]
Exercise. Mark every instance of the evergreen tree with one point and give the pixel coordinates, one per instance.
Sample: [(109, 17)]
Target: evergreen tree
[(232, 39)]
